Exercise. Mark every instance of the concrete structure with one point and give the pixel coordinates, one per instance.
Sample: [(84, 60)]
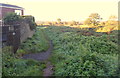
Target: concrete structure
[(13, 35), (10, 34)]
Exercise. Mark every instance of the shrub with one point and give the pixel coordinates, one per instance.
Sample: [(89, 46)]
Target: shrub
[(12, 18)]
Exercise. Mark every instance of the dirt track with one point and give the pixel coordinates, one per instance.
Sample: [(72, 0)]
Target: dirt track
[(42, 56)]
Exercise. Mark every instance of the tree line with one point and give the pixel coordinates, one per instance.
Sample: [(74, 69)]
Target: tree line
[(95, 19)]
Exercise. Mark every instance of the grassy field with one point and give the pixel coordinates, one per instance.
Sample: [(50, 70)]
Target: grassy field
[(83, 53), (76, 52)]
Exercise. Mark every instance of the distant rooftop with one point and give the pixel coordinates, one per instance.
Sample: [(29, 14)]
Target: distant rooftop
[(10, 6)]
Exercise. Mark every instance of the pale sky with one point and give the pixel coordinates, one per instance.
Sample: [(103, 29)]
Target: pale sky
[(67, 10)]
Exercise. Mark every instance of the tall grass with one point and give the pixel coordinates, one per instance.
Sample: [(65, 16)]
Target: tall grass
[(14, 66), (38, 43)]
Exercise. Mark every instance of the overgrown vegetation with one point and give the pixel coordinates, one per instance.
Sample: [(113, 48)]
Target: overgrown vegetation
[(37, 43), (13, 18), (14, 66), (78, 54)]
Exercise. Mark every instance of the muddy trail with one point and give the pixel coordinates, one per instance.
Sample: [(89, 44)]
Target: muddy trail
[(43, 56)]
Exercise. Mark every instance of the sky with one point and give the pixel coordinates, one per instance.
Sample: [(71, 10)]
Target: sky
[(67, 10)]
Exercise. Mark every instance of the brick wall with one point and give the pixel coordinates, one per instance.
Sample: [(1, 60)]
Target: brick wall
[(4, 11)]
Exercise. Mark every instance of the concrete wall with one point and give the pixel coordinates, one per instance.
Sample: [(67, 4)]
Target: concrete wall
[(22, 32), (25, 31)]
